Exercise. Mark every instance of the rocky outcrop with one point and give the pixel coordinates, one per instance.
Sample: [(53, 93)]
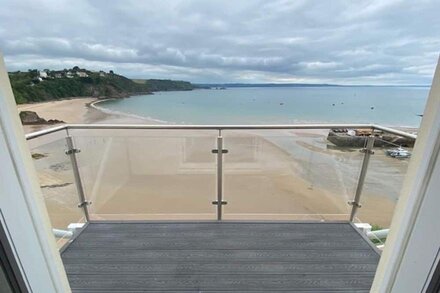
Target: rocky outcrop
[(32, 118), (354, 141), (344, 140)]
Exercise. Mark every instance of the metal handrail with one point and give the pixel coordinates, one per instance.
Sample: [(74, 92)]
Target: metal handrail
[(219, 127), (395, 131), (46, 131)]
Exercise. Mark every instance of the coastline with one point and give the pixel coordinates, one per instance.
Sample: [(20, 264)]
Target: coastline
[(129, 118), (77, 110)]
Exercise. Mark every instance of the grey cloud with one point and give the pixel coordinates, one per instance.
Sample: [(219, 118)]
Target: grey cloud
[(381, 42)]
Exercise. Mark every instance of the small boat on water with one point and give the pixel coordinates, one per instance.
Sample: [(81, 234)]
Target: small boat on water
[(398, 153)]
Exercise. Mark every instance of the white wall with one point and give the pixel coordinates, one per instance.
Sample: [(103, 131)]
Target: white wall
[(21, 203)]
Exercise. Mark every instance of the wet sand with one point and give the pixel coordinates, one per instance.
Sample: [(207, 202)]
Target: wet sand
[(162, 175)]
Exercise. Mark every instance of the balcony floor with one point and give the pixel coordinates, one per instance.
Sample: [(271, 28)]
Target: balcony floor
[(220, 256)]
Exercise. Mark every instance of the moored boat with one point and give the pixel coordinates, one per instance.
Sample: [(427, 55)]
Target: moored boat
[(398, 153)]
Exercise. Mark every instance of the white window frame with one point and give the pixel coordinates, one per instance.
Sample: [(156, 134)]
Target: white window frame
[(21, 202), (411, 250)]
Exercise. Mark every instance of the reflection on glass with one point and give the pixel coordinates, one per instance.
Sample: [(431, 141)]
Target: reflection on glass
[(152, 175), (288, 175)]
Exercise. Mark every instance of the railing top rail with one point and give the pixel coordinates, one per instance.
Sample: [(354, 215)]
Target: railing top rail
[(218, 127), (39, 133), (395, 131)]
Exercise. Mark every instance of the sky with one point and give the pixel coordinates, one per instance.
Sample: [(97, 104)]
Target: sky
[(338, 42)]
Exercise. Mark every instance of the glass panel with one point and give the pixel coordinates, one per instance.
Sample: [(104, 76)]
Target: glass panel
[(288, 175), (386, 171), (148, 174), (57, 183)]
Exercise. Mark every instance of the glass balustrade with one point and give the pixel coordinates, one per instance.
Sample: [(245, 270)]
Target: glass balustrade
[(58, 185), (386, 172), (148, 174), (130, 173), (288, 175)]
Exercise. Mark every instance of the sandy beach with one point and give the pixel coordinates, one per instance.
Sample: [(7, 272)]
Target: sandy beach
[(170, 174), (74, 110)]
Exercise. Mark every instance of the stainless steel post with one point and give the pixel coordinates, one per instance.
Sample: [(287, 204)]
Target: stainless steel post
[(368, 151), (71, 151), (219, 151)]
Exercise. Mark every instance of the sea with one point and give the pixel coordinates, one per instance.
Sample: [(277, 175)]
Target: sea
[(387, 106)]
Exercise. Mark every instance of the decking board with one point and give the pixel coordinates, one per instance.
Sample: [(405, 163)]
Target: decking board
[(219, 257)]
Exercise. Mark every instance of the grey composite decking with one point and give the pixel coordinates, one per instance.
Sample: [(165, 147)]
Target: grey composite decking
[(219, 257)]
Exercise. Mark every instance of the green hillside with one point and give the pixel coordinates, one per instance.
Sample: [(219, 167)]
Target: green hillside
[(159, 85), (35, 86)]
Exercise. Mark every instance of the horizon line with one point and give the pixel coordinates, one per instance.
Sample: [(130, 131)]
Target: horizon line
[(307, 84)]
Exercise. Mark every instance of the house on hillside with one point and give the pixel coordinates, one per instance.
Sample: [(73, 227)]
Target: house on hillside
[(69, 74), (43, 74), (81, 74)]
